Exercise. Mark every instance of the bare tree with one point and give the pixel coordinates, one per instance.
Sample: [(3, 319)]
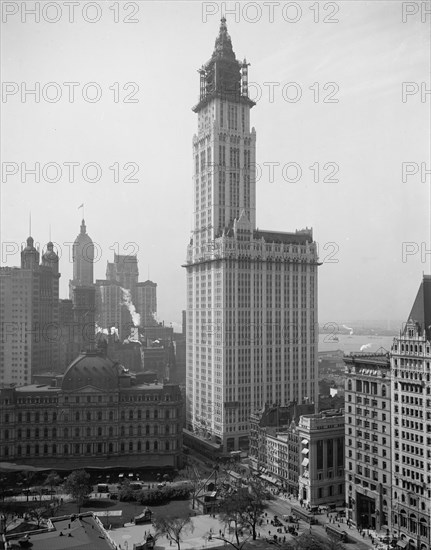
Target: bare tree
[(173, 527)]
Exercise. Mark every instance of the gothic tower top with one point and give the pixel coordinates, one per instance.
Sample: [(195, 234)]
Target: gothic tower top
[(223, 76)]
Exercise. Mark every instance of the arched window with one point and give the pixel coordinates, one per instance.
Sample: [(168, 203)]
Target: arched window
[(54, 433), (156, 429), (130, 415), (27, 450), (111, 431), (122, 431), (122, 447), (156, 413), (45, 417), (88, 448), (147, 414), (6, 451), (413, 523), (66, 449), (36, 433), (6, 434), (139, 430), (131, 430), (147, 445), (54, 417), (45, 433), (110, 448), (111, 415), (123, 415), (28, 417), (99, 415), (139, 414), (36, 449), (130, 445), (167, 413), (77, 432), (139, 446), (54, 449), (147, 429), (37, 418), (156, 445), (167, 446), (45, 449), (77, 416), (18, 450), (19, 433), (99, 431), (167, 429), (77, 448)]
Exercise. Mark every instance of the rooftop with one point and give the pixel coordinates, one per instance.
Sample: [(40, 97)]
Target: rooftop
[(83, 532)]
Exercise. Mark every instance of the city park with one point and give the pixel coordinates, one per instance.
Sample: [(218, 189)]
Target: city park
[(197, 508)]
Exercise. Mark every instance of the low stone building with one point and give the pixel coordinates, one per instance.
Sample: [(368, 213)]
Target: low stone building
[(100, 414)]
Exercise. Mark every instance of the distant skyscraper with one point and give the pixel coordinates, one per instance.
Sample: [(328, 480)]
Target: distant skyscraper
[(82, 291), (29, 311), (123, 273), (83, 258), (146, 302), (411, 425), (251, 294)]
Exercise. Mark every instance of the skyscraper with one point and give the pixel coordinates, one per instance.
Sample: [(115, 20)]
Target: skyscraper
[(82, 291), (29, 315), (411, 425), (251, 294)]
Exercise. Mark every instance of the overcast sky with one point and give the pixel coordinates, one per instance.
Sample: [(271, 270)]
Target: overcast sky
[(367, 134)]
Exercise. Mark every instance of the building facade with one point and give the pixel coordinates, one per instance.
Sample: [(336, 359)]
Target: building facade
[(29, 315), (146, 302), (411, 422), (251, 294), (368, 440), (321, 471), (82, 293), (100, 415)]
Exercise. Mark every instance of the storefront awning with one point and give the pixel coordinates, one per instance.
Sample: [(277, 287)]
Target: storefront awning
[(304, 441), (402, 544), (305, 462), (305, 451)]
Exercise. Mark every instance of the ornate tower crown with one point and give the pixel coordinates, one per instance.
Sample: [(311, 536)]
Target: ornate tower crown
[(223, 75)]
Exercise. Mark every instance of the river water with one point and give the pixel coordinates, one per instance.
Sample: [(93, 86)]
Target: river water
[(328, 342)]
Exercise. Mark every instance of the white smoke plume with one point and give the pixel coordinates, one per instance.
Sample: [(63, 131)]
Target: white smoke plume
[(114, 331), (365, 346), (127, 301), (348, 328), (100, 330)]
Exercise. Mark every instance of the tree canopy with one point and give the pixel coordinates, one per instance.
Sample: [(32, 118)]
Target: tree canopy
[(173, 527), (77, 485)]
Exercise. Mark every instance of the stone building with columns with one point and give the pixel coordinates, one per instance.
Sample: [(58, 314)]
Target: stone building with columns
[(321, 450)]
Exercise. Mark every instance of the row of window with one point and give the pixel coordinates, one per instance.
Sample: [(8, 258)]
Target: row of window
[(87, 448)]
